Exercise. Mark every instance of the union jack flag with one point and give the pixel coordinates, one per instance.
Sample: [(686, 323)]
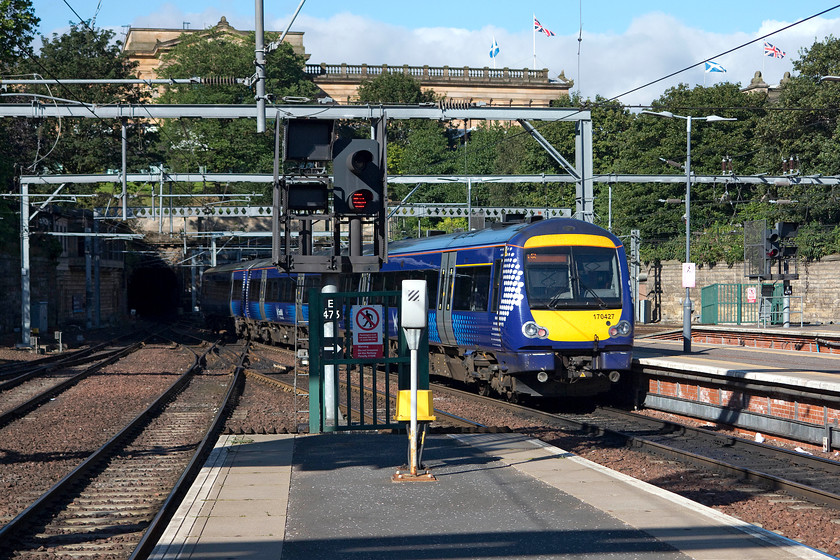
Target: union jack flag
[(538, 26), (775, 52)]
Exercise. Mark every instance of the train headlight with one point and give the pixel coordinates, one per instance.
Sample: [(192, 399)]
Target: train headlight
[(623, 328), (533, 330)]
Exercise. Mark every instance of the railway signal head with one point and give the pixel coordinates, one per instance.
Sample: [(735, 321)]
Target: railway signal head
[(358, 181), (772, 246)]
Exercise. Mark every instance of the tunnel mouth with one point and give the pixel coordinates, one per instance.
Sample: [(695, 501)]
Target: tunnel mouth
[(153, 292)]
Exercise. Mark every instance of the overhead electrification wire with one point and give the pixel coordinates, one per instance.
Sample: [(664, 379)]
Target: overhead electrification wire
[(741, 46)]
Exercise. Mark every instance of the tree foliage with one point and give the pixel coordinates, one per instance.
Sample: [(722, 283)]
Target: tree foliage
[(17, 29), (793, 131), (393, 87), (88, 145), (224, 145)]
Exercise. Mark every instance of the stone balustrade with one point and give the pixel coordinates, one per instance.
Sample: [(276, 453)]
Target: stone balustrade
[(426, 73)]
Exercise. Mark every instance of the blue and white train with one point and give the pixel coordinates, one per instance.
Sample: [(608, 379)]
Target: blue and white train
[(541, 308)]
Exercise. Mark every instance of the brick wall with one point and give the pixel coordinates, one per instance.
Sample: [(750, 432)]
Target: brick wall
[(818, 285)]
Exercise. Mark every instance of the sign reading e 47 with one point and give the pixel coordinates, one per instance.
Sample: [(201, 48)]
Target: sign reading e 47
[(367, 325)]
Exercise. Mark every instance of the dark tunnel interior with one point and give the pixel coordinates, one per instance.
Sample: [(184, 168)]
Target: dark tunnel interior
[(153, 292)]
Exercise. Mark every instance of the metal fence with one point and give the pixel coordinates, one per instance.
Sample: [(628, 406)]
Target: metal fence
[(353, 380), (739, 304)]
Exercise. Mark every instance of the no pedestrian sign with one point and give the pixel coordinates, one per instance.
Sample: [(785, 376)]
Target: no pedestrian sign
[(367, 331)]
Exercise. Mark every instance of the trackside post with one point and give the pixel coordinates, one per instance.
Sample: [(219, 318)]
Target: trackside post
[(414, 319)]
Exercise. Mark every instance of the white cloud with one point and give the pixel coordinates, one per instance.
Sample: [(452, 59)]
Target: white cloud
[(652, 46)]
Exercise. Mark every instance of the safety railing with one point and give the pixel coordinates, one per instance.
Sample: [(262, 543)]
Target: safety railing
[(780, 310), (429, 73)]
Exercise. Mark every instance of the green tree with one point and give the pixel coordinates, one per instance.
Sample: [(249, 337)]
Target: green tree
[(224, 145), (17, 29), (648, 140), (804, 126), (86, 145), (393, 87)]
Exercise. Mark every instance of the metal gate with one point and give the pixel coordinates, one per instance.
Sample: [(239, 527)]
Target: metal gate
[(353, 380), (740, 303)]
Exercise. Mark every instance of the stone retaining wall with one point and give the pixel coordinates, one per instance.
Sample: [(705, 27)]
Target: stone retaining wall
[(818, 286)]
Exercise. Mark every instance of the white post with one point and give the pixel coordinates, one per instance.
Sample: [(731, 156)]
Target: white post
[(25, 295), (330, 287), (124, 168), (259, 62), (413, 319)]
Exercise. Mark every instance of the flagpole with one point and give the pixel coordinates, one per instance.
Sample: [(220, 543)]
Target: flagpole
[(493, 48), (534, 38), (763, 62)]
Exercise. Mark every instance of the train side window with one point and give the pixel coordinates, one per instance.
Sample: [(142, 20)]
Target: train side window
[(254, 289), (236, 292), (431, 277), (348, 283), (392, 281), (309, 282), (287, 289), (272, 291), (472, 286), (497, 285)]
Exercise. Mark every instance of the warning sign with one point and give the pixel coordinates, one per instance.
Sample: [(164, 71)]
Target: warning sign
[(752, 294), (688, 275), (367, 331)]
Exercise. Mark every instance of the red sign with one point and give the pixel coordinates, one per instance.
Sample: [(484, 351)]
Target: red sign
[(367, 331)]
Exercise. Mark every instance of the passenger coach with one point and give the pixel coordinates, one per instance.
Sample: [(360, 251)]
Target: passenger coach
[(541, 308)]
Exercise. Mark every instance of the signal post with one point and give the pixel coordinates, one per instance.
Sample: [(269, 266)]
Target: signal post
[(768, 253)]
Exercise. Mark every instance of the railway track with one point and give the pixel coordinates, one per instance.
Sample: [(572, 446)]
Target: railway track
[(810, 478), (445, 419), (788, 339), (12, 371), (30, 389), (117, 500)]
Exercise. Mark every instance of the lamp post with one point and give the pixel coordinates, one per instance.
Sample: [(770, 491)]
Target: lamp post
[(688, 120)]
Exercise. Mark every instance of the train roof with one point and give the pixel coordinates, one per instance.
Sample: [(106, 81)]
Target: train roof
[(255, 263), (497, 235)]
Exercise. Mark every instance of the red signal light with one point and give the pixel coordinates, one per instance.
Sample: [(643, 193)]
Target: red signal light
[(360, 199)]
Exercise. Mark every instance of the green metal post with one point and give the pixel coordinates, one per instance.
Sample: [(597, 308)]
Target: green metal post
[(316, 390)]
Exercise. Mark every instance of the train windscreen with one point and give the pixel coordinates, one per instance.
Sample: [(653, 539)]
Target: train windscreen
[(574, 277)]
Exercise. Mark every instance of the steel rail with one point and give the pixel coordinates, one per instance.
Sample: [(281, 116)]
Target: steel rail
[(44, 396), (170, 506), (14, 528)]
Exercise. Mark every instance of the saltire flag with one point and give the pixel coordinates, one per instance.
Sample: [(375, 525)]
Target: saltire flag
[(494, 49), (712, 66), (538, 26), (775, 52)]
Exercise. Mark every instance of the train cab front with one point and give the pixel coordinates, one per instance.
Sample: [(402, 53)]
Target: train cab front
[(579, 301)]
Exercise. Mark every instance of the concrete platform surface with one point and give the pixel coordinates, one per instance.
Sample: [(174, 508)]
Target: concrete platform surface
[(804, 370), (499, 496)]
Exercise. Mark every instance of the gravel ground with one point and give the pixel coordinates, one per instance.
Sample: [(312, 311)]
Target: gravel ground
[(40, 450)]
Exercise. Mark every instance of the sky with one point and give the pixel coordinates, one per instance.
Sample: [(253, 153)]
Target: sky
[(623, 45)]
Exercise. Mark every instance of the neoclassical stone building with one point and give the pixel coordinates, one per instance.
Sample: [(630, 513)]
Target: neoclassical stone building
[(461, 84)]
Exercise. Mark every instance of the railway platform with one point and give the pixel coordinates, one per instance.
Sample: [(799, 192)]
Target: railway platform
[(500, 496), (812, 370)]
